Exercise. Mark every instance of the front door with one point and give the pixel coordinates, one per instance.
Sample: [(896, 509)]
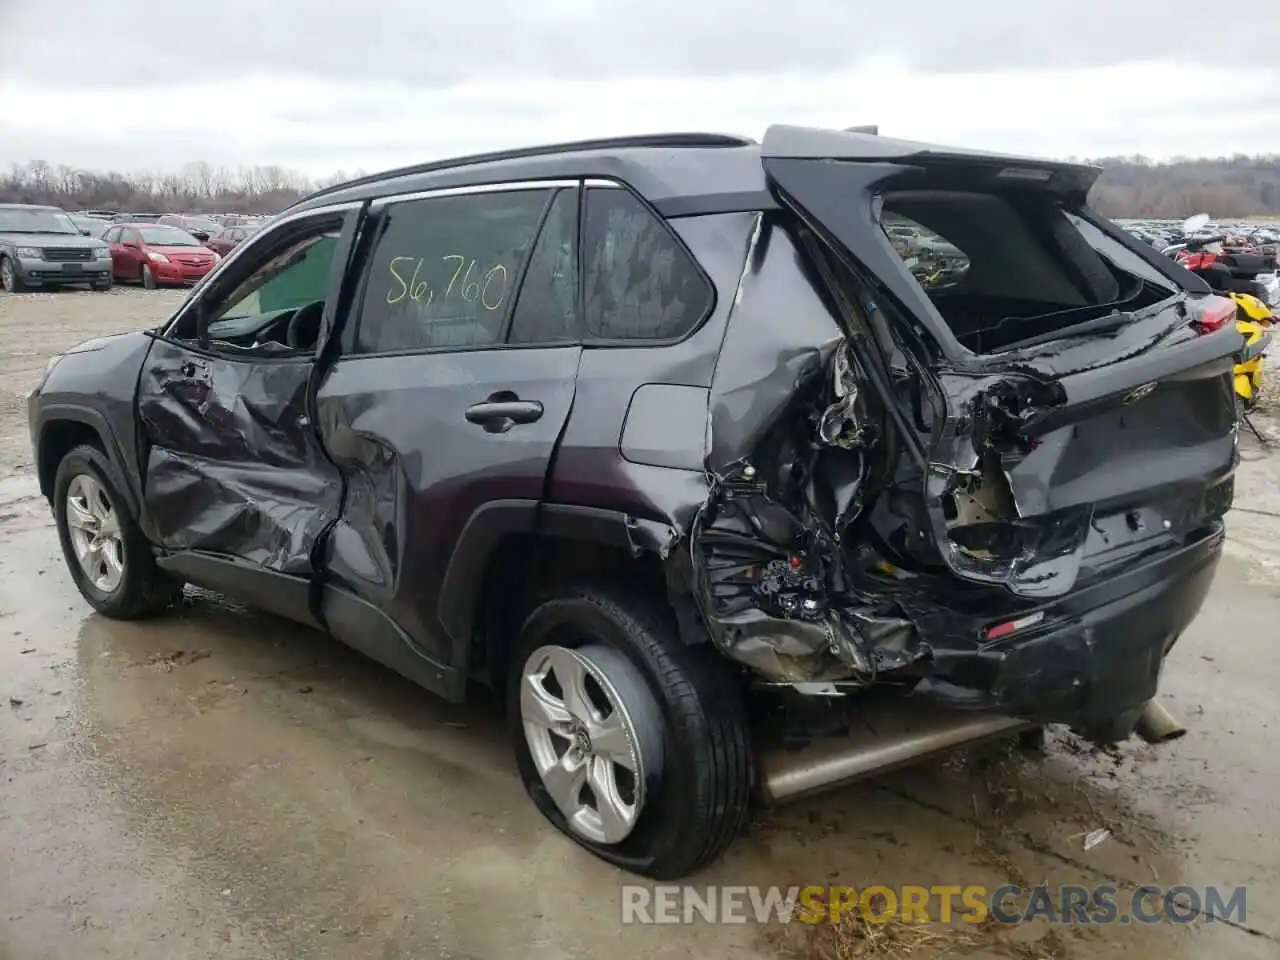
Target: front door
[(455, 380), (126, 255), (237, 488)]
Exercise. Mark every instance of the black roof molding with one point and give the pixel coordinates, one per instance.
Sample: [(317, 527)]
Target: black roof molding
[(645, 140)]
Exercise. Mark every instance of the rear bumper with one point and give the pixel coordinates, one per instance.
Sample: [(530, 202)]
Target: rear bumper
[(1098, 654)]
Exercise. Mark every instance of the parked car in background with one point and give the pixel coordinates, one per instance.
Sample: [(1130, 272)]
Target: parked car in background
[(155, 255), (137, 217), (226, 239), (89, 226), (42, 247), (202, 228)]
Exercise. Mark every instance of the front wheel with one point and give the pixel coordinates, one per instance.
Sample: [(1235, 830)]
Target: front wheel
[(9, 281), (103, 285), (631, 743), (148, 277), (107, 554)]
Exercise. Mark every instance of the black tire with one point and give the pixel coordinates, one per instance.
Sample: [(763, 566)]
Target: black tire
[(10, 282), (148, 277), (699, 802), (144, 590), (103, 286)]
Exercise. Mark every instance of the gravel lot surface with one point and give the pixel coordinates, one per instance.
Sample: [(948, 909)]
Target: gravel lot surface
[(222, 784), (36, 326)]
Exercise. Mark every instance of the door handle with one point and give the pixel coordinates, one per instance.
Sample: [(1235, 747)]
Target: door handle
[(499, 416)]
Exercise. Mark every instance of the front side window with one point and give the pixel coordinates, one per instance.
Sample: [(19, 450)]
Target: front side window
[(639, 281), (444, 270), (273, 300)]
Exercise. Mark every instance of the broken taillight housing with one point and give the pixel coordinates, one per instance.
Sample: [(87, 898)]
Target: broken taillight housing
[(1216, 313), (1010, 627)]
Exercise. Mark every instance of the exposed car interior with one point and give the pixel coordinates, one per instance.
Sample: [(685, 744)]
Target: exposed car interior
[(1027, 272)]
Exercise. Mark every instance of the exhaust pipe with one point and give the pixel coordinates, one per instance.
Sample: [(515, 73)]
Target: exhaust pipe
[(892, 738), (1157, 725)]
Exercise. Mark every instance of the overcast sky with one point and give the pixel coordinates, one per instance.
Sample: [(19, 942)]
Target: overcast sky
[(323, 85)]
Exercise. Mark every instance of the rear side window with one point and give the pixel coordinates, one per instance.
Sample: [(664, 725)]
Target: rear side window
[(444, 270), (639, 282)]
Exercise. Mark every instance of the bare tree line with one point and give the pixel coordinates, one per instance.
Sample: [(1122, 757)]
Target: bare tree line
[(195, 188), (1237, 186)]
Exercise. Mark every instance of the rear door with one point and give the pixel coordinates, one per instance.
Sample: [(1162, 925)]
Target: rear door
[(455, 380), (1067, 394)]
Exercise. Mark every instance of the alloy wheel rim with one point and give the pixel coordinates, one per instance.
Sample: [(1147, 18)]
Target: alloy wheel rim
[(94, 525), (583, 743), (6, 275)]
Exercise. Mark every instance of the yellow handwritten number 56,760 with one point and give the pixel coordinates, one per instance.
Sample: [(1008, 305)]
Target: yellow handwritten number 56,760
[(489, 288)]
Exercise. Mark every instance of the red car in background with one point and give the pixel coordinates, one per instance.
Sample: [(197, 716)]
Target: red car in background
[(152, 255), (225, 240)]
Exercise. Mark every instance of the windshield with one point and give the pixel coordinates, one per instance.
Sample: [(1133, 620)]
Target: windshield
[(35, 220), (167, 237)]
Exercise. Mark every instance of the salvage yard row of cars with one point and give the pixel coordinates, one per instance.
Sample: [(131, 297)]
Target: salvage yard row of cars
[(44, 247), (691, 450)]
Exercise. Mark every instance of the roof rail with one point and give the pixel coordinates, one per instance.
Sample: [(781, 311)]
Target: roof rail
[(608, 143), (871, 128)]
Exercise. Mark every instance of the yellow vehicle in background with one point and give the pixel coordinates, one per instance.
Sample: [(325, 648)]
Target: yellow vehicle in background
[(1203, 255), (1253, 320)]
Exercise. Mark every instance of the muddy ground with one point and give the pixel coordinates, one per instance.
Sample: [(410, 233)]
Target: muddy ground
[(223, 784)]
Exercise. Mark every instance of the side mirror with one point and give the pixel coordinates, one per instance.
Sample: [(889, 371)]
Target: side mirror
[(86, 232)]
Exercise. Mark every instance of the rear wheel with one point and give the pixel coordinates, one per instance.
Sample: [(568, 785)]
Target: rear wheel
[(148, 277), (631, 743), (107, 554), (9, 281)]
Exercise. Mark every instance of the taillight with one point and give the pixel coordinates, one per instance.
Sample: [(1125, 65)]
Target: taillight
[(1216, 313)]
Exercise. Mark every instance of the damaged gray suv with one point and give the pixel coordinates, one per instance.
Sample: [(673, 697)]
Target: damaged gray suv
[(736, 470)]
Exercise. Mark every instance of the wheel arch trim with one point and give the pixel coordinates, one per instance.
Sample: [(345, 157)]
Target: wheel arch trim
[(463, 585), (53, 414)]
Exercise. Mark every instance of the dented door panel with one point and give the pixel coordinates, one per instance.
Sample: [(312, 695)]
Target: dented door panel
[(233, 468), (416, 467)]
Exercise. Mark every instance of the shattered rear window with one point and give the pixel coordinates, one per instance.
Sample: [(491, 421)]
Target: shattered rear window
[(1001, 268), (932, 259)]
